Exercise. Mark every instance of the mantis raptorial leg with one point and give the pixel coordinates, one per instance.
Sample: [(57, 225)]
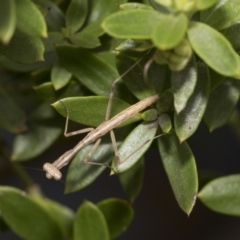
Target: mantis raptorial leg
[(52, 170)]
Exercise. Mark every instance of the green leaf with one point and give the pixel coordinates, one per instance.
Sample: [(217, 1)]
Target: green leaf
[(91, 111), (90, 223), (80, 174), (215, 79), (61, 214), (223, 14), (165, 123), (204, 4), (87, 68), (180, 166), (214, 49), (232, 35), (24, 48), (14, 117), (52, 40), (26, 217), (7, 20), (60, 76), (76, 14), (134, 5), (134, 146), (134, 79), (132, 179), (55, 18), (3, 226), (187, 121), (161, 5), (113, 207), (169, 32), (222, 195), (133, 23), (42, 132), (183, 85), (85, 40), (29, 19), (165, 102), (221, 104), (104, 8), (49, 59)]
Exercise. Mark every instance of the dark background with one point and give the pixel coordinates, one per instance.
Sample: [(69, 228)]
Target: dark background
[(157, 215)]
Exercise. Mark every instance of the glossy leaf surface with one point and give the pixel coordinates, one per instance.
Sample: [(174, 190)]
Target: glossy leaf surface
[(90, 223), (224, 14), (170, 31), (134, 79), (204, 4), (232, 34), (214, 49), (79, 109), (85, 40), (134, 146), (60, 76), (42, 132), (14, 117), (24, 48), (76, 14), (7, 20), (183, 84), (186, 122), (29, 19), (222, 102), (16, 206), (132, 179), (222, 195), (180, 166), (134, 23), (87, 68), (80, 174), (113, 207)]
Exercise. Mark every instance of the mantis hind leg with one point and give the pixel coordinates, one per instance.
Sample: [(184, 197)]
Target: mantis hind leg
[(66, 134)]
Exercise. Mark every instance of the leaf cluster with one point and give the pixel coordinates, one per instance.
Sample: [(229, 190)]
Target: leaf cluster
[(63, 50)]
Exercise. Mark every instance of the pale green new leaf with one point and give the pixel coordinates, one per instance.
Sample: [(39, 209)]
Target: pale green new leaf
[(133, 23), (214, 49), (222, 195), (204, 4), (7, 20), (169, 32)]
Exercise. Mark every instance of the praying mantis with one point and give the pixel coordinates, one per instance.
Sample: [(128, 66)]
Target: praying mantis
[(95, 134)]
